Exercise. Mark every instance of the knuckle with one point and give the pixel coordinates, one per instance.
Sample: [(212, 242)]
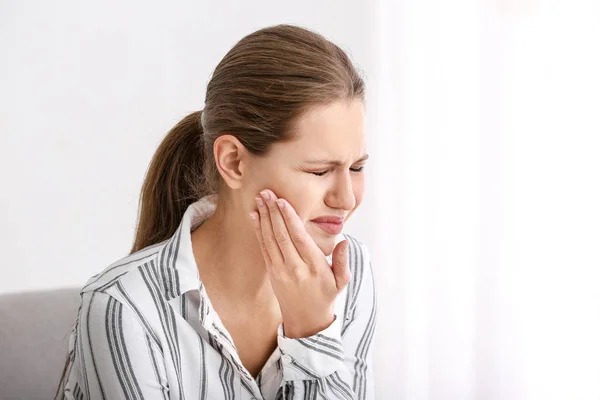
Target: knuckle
[(299, 239), (347, 277), (281, 237), (268, 242), (299, 275), (342, 283)]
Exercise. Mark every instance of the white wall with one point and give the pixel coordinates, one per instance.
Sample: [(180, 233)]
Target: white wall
[(88, 89)]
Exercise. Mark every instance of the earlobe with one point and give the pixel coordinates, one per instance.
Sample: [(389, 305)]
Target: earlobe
[(228, 152)]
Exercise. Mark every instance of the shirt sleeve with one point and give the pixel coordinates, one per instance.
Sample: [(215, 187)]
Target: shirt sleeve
[(108, 341), (336, 363)]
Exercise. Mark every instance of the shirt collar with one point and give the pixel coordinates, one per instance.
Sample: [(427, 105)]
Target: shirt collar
[(176, 262)]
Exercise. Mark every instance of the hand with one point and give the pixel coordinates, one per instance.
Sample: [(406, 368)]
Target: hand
[(303, 281)]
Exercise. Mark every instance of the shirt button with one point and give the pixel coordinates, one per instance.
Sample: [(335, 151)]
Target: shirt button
[(286, 359)]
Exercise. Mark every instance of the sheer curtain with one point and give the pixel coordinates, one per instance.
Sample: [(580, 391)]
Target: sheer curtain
[(484, 200)]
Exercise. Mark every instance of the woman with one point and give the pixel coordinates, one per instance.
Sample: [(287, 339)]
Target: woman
[(240, 284)]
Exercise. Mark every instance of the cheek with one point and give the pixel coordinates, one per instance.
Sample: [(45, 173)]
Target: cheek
[(269, 177), (302, 198), (297, 191)]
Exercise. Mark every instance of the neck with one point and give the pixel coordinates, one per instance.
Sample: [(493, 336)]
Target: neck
[(228, 256)]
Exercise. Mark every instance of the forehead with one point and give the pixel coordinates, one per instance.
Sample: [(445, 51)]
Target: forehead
[(334, 130)]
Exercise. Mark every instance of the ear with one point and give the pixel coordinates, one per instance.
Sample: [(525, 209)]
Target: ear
[(229, 155)]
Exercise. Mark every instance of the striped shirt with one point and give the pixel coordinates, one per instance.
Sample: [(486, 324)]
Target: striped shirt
[(146, 329)]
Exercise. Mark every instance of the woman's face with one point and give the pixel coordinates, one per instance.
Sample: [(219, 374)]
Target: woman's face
[(319, 172)]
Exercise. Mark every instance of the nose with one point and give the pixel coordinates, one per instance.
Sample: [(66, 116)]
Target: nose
[(341, 195)]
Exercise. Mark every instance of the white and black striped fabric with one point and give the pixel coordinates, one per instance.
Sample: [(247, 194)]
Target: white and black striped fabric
[(146, 330)]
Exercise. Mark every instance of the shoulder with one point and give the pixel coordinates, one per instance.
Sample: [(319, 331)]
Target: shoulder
[(126, 268), (128, 290)]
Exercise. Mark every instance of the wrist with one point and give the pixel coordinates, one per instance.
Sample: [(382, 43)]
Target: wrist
[(302, 330)]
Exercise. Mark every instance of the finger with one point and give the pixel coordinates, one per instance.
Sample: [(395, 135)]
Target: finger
[(255, 217), (280, 230), (340, 265), (304, 243), (267, 232)]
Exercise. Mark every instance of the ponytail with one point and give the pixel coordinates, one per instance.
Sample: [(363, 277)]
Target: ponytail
[(174, 180)]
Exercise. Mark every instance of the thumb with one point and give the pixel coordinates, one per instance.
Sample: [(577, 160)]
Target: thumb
[(339, 265)]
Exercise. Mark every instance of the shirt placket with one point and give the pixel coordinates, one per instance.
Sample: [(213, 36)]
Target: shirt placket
[(219, 333)]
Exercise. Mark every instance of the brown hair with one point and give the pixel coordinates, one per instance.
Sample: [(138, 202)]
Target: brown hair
[(257, 92)]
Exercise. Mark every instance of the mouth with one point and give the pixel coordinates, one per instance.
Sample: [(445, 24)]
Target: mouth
[(331, 225)]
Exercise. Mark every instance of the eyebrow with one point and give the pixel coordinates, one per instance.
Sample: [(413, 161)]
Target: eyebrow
[(336, 162)]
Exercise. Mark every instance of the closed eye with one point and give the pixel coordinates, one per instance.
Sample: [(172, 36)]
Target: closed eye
[(322, 173)]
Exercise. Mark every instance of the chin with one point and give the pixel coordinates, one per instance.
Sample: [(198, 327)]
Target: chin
[(326, 244), (324, 241)]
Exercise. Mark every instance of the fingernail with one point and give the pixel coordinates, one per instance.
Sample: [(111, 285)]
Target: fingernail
[(280, 204), (259, 201), (252, 216), (265, 195)]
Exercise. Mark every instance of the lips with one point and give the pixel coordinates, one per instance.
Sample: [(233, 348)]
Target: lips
[(330, 224)]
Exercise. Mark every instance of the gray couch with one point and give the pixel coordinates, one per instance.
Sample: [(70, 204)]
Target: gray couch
[(34, 339)]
